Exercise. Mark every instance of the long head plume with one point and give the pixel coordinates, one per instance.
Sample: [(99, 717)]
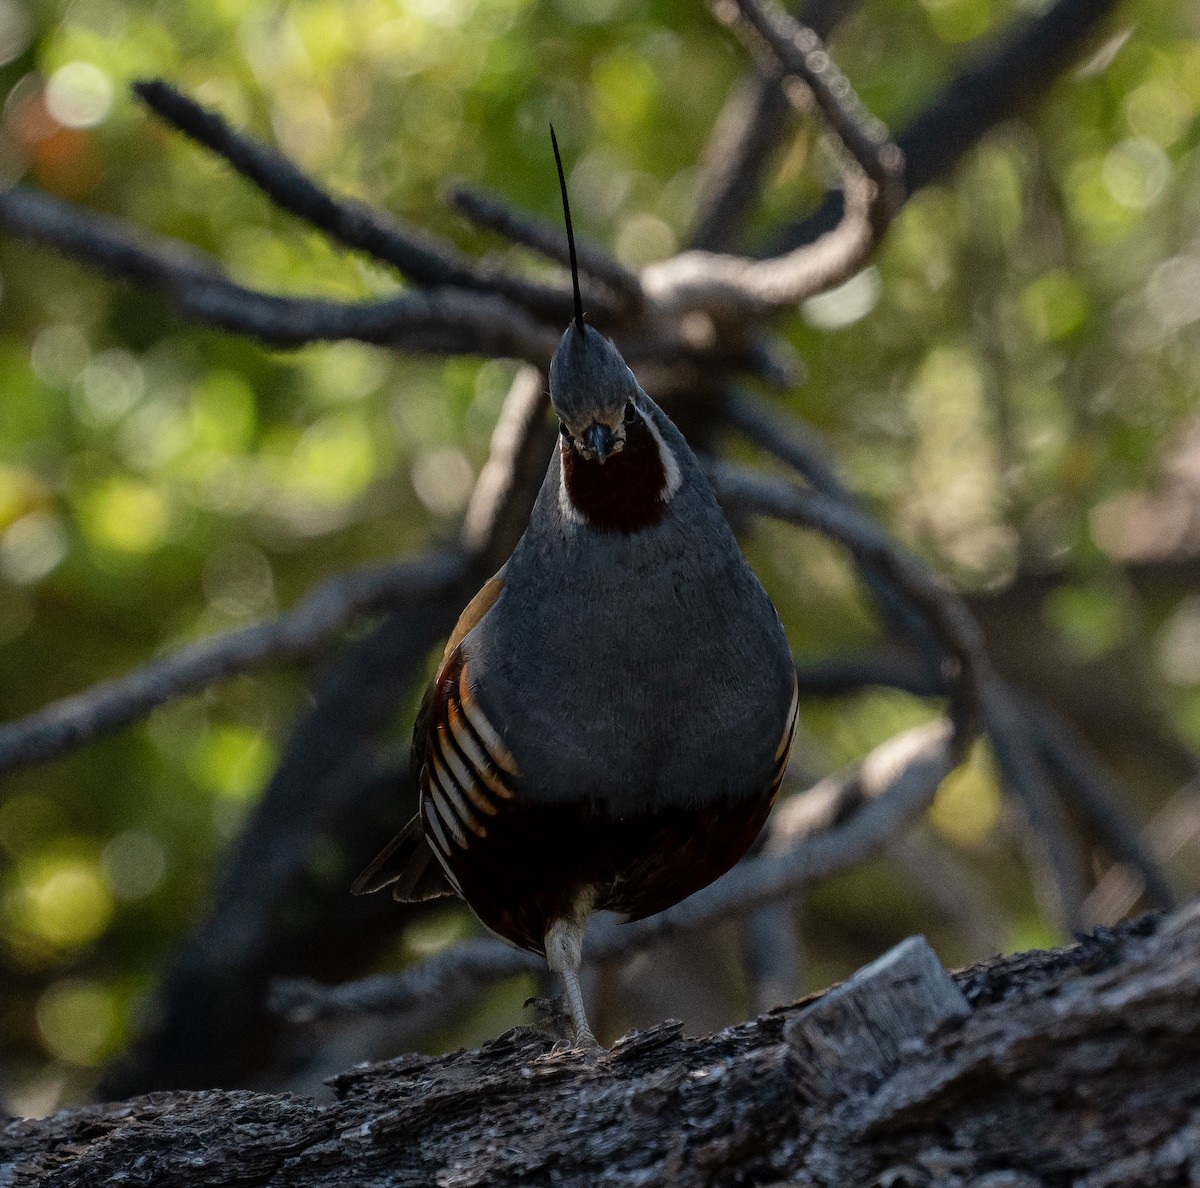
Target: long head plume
[(562, 183)]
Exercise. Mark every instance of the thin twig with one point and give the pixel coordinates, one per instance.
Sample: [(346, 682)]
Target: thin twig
[(421, 257), (1053, 856), (772, 954), (324, 612), (787, 438), (944, 612), (1092, 794), (793, 442), (1175, 827), (493, 214)]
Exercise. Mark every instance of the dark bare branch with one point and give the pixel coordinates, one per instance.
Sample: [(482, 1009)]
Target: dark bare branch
[(438, 321), (106, 244), (944, 612), (787, 438), (1093, 796), (1006, 80), (519, 447), (744, 136), (431, 322), (1000, 84), (487, 211), (725, 286), (1052, 853), (872, 187), (889, 667), (794, 443), (325, 611), (747, 131), (421, 257), (801, 56)]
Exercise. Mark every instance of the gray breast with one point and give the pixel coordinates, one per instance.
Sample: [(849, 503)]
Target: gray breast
[(638, 670)]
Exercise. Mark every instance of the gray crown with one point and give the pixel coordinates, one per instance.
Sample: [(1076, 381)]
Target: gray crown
[(589, 381)]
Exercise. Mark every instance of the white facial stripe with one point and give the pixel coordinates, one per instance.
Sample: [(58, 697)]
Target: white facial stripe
[(569, 511), (670, 466)]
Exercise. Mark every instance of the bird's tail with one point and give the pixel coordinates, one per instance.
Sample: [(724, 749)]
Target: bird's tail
[(407, 865)]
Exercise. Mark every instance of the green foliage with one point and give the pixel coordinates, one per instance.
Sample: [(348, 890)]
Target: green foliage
[(1024, 350)]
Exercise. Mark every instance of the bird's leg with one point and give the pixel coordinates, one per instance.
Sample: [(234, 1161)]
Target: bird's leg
[(564, 955)]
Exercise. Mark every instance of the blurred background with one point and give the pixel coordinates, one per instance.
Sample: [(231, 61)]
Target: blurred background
[(1011, 388)]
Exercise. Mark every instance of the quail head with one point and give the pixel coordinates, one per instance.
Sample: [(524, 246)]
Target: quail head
[(614, 711)]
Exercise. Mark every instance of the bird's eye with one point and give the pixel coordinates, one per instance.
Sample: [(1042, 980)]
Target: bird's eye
[(631, 412)]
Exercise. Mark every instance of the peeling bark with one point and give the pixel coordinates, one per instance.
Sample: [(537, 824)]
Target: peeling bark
[(1075, 1067)]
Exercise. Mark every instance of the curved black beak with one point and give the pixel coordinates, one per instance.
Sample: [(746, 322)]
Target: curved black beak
[(599, 439)]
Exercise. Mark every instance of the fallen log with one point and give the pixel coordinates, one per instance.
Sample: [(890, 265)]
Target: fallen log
[(1077, 1066)]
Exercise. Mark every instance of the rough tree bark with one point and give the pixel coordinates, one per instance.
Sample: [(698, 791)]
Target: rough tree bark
[(1077, 1066)]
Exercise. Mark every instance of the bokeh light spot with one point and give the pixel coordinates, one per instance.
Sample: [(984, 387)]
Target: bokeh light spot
[(77, 1020), (1136, 172), (644, 238), (16, 28), (232, 761), (1091, 620), (442, 480), (848, 303), (58, 354), (79, 95), (33, 547), (1054, 306), (125, 515), (133, 863), (108, 387), (59, 899), (333, 462), (967, 807)]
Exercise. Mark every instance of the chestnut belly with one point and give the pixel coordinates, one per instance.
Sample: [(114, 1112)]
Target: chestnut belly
[(536, 860)]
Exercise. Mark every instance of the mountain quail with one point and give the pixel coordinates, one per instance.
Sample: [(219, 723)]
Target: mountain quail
[(614, 711)]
